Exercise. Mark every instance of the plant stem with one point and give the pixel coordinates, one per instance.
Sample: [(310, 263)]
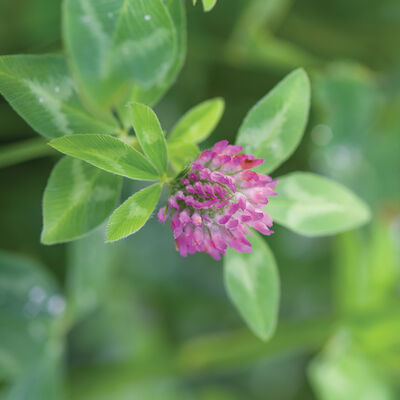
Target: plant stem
[(24, 151)]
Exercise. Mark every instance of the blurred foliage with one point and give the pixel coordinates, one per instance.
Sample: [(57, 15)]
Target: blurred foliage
[(162, 326)]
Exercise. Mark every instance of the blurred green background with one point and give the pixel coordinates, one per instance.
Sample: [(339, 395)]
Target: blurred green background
[(134, 320)]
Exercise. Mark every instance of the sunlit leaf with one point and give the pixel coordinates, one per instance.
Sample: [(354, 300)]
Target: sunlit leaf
[(108, 153), (208, 5), (198, 123), (252, 283), (133, 213), (41, 90), (313, 205), (115, 44), (181, 154), (78, 198), (274, 127), (150, 135)]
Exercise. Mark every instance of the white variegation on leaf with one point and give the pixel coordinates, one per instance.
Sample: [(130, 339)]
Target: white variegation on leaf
[(78, 198), (114, 45), (42, 91), (313, 205)]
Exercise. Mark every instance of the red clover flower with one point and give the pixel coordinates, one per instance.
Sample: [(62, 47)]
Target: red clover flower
[(216, 200)]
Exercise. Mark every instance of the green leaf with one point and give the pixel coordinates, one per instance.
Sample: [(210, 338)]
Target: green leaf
[(252, 283), (90, 266), (273, 128), (374, 258), (150, 135), (78, 198), (108, 153), (151, 94), (312, 205), (133, 213), (116, 44), (181, 154), (30, 301), (342, 372), (43, 380), (208, 5), (198, 123), (41, 90)]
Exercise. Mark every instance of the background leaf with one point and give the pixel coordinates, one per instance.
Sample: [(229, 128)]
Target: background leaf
[(30, 301), (108, 153), (198, 123), (41, 90), (252, 283), (273, 128), (90, 266), (113, 45), (150, 135), (78, 198), (133, 213), (342, 372), (312, 205), (42, 381)]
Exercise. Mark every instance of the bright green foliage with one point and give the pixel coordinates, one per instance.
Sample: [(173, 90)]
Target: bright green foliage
[(78, 198), (28, 295), (273, 128), (108, 153), (116, 44), (312, 205), (208, 5), (198, 123), (252, 283), (41, 90), (133, 213), (180, 154), (342, 372), (150, 135), (90, 265)]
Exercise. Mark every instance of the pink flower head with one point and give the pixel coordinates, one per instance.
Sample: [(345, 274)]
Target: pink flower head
[(217, 200)]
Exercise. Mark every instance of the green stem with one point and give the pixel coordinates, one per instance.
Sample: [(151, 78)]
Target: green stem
[(24, 151), (205, 354)]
